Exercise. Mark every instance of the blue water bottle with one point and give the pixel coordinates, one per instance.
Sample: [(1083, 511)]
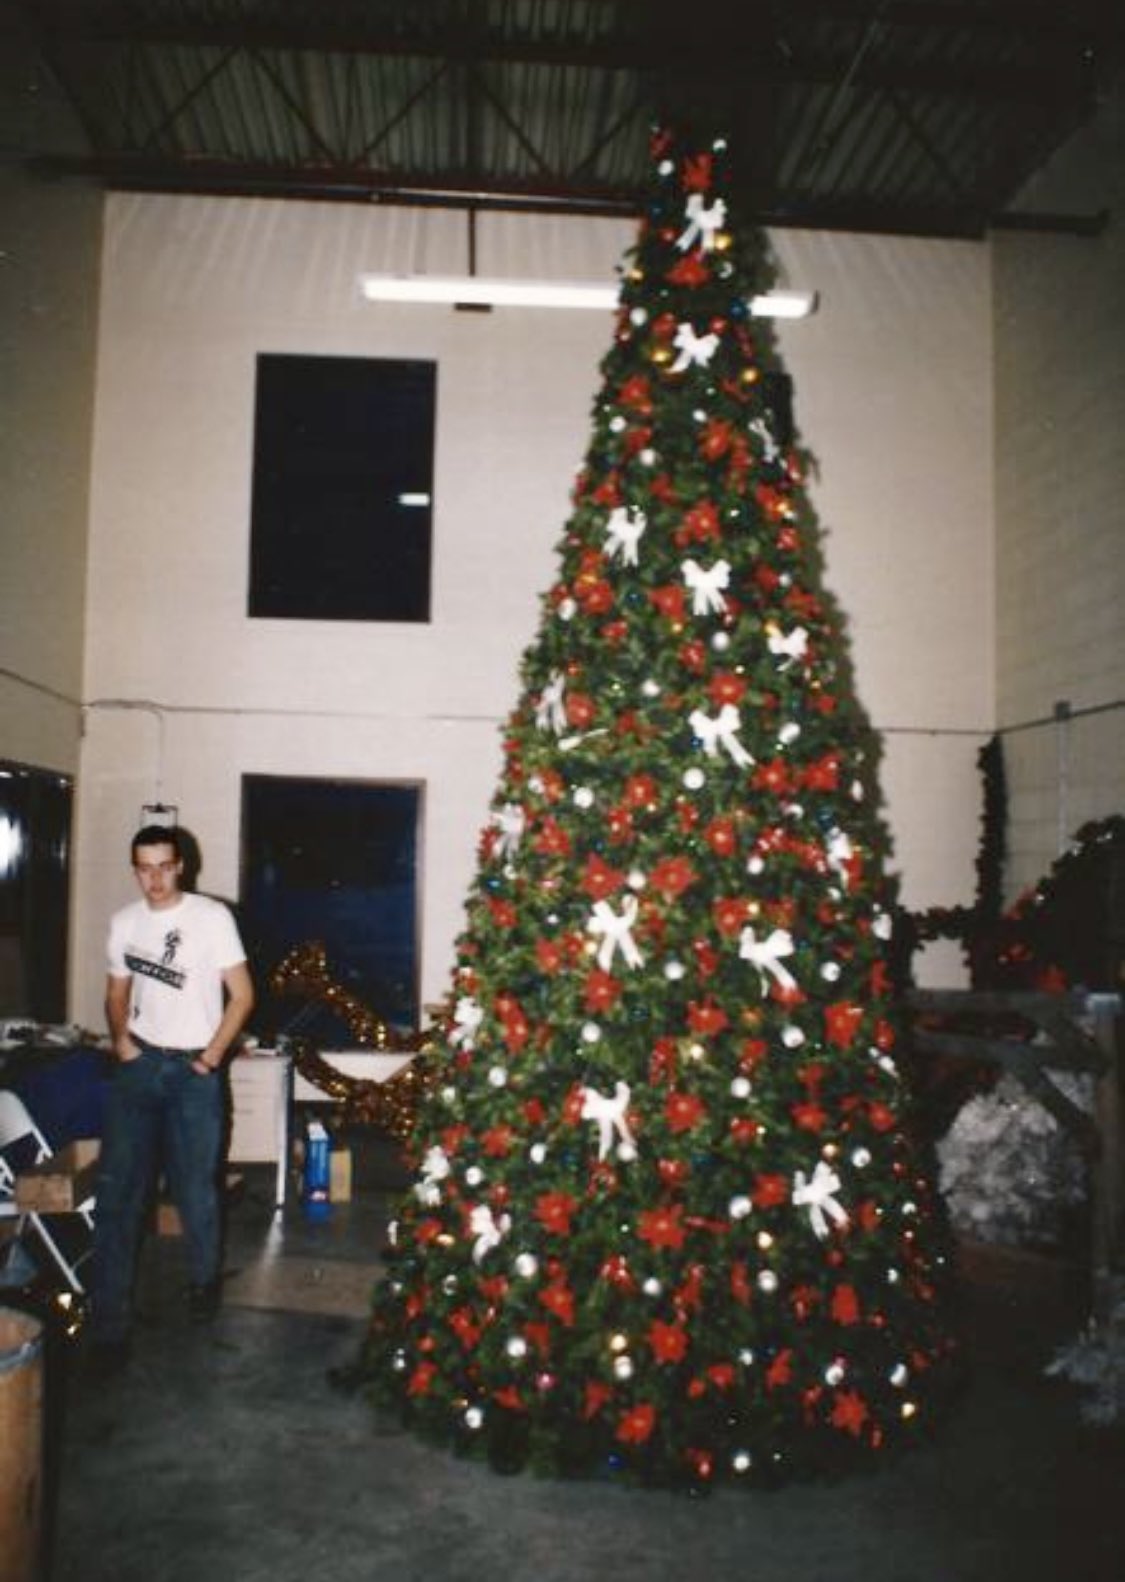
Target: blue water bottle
[(315, 1190)]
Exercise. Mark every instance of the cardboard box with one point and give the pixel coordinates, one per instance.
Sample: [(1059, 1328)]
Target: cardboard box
[(62, 1182), (340, 1175)]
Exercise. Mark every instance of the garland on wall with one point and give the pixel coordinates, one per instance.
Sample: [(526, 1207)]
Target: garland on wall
[(1009, 1173), (1067, 931), (391, 1105)]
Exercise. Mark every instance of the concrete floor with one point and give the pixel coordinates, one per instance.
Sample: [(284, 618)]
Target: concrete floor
[(224, 1454)]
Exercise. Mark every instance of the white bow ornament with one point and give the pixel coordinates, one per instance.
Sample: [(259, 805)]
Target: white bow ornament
[(510, 820), (550, 713), (706, 586), (616, 930), (693, 348), (817, 1196), (488, 1231), (766, 954), (787, 646), (721, 732), (467, 1017), (610, 1115), (703, 223), (839, 850), (624, 527), (435, 1168), (770, 449)]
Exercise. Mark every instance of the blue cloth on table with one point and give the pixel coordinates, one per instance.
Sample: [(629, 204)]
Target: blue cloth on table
[(64, 1091)]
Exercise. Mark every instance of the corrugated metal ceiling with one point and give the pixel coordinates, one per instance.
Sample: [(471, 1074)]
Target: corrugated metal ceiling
[(917, 116)]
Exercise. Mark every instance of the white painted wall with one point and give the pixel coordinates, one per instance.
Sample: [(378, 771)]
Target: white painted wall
[(1060, 499), (893, 394), (50, 245)]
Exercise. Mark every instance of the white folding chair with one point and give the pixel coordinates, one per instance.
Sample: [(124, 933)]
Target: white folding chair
[(17, 1127)]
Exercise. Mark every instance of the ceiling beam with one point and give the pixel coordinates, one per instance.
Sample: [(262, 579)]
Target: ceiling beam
[(218, 178)]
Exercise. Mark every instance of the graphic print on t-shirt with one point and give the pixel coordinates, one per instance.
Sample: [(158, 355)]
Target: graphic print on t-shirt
[(165, 970)]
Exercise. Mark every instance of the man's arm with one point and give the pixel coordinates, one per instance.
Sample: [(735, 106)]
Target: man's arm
[(240, 1002), (117, 995)]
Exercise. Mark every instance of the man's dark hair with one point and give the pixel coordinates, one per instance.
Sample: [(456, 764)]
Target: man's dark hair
[(157, 835)]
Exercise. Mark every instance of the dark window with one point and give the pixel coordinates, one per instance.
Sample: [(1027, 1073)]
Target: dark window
[(333, 862), (341, 511), (35, 807)]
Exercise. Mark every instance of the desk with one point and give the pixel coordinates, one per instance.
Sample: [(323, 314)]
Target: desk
[(264, 1087), (261, 1082)]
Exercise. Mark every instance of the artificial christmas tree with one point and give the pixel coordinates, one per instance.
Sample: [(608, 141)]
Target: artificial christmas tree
[(667, 1218)]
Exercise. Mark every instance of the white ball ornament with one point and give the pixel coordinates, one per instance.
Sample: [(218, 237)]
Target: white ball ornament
[(527, 1265), (474, 1175), (767, 1282), (636, 880), (830, 971), (755, 865), (647, 457), (638, 316), (674, 971), (591, 1033), (695, 779), (861, 1158), (568, 609), (739, 1207), (792, 1037), (537, 1153), (650, 688), (498, 1077), (623, 1367), (740, 1088), (516, 1347), (720, 642), (583, 797), (474, 1418)]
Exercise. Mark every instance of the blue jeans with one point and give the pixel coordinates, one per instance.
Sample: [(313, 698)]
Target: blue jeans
[(158, 1110)]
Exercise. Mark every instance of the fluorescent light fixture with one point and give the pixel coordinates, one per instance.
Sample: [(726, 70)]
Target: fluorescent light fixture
[(472, 291), (784, 305), (414, 499)]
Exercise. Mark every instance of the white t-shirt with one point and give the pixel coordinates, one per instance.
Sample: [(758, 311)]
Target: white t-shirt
[(175, 958)]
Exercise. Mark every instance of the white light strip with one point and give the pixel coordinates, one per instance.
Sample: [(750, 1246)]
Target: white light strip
[(472, 291), (485, 293)]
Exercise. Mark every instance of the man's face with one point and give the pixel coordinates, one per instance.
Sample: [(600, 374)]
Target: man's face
[(158, 871)]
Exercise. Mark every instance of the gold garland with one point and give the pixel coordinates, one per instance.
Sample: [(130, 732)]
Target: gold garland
[(391, 1105)]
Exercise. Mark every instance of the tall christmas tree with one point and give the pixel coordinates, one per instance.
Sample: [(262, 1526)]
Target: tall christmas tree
[(667, 1217)]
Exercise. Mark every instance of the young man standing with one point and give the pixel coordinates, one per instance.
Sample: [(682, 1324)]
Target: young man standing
[(177, 995)]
